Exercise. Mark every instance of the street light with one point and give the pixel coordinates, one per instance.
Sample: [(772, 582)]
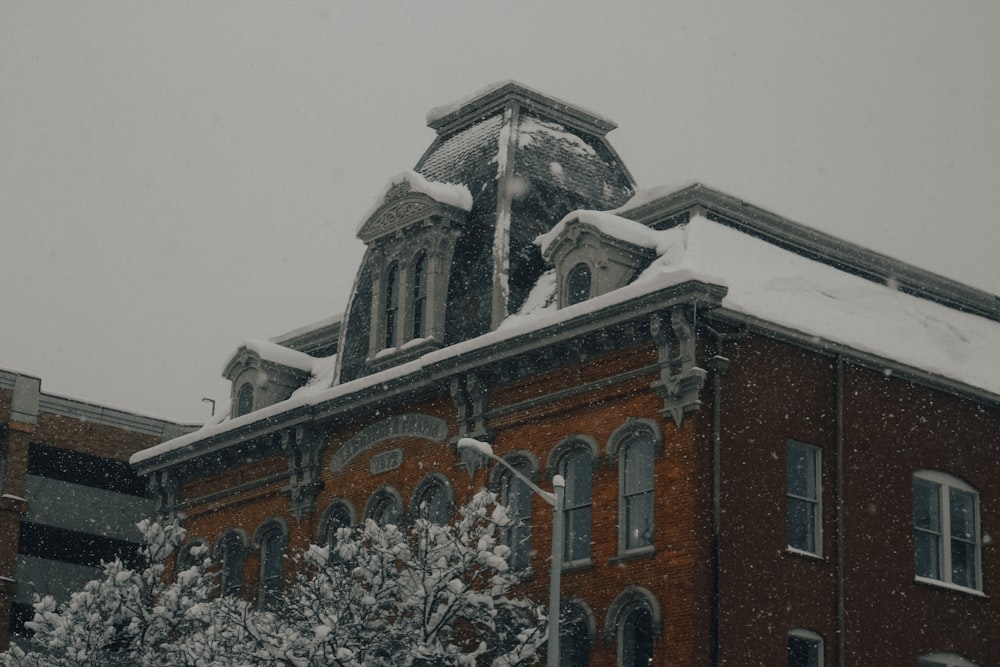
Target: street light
[(556, 500)]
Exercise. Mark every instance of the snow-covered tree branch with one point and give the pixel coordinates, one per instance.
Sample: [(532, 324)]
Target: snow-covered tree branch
[(400, 596)]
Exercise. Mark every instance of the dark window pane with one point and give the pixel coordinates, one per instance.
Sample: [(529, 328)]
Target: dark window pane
[(244, 400), (802, 525), (803, 652), (637, 638), (578, 284)]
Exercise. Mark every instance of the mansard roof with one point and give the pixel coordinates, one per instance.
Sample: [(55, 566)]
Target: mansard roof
[(742, 264)]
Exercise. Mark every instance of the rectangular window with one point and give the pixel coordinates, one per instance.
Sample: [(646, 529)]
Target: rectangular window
[(945, 529), (638, 493), (803, 485), (805, 649)]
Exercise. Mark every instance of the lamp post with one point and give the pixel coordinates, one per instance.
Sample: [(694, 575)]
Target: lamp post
[(556, 501)]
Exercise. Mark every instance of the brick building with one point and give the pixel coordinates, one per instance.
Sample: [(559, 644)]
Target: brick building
[(68, 498), (780, 448)]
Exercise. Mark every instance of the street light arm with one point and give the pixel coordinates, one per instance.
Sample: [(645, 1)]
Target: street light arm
[(484, 449)]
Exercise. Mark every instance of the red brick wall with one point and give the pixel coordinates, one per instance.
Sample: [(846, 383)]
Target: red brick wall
[(676, 573), (773, 392)]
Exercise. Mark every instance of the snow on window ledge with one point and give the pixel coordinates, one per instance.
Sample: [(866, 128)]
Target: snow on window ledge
[(805, 554), (937, 583)]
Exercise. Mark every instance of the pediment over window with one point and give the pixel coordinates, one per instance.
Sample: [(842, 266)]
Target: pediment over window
[(411, 199), (595, 253)]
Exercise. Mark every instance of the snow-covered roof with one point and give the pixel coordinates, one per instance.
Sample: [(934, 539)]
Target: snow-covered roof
[(767, 284), (610, 224), (278, 354)]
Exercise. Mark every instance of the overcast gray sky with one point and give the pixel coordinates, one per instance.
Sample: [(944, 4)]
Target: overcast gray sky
[(178, 176)]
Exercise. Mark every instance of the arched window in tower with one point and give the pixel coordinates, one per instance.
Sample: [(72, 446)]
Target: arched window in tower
[(420, 296), (578, 284), (244, 400), (391, 305)]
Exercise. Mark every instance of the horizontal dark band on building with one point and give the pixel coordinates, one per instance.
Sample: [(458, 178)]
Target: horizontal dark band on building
[(70, 546), (86, 469)]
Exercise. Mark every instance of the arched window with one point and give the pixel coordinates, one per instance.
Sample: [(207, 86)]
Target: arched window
[(391, 305), (385, 507), (574, 460), (635, 445), (516, 497), (944, 660), (433, 499), (340, 514), (271, 539), (192, 554), (576, 634), (634, 623), (420, 296), (946, 541), (231, 552), (805, 648), (244, 400), (578, 284)]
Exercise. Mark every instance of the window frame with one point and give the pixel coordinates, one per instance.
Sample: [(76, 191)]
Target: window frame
[(433, 482), (519, 535), (391, 306), (622, 440), (574, 293), (385, 496), (418, 324), (575, 614), (246, 397), (806, 635), (271, 541), (630, 601), (339, 508), (946, 483), (231, 552), (559, 459), (816, 504)]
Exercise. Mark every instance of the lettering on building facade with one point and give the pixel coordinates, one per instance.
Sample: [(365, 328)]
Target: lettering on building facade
[(412, 425)]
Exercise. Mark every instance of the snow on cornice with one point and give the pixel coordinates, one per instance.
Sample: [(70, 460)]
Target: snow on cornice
[(278, 354), (768, 286), (517, 327), (455, 195), (609, 224)]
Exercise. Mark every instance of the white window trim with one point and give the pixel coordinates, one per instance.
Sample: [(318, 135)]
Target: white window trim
[(945, 482), (818, 516)]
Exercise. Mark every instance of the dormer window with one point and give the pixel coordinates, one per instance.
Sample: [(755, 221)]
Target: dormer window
[(578, 284), (264, 373), (595, 253), (244, 400)]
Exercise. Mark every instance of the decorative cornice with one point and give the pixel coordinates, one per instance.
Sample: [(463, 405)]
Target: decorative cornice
[(693, 292)]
